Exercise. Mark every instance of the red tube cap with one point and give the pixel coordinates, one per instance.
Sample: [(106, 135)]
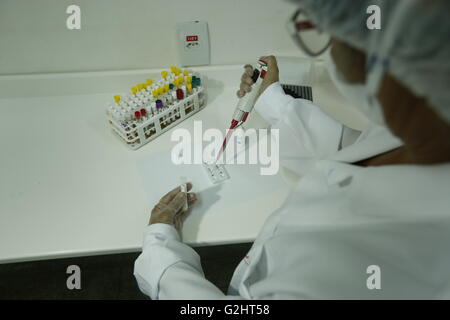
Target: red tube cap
[(180, 94), (137, 114)]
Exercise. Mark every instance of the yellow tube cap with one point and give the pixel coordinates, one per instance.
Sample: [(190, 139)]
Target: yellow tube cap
[(117, 98), (189, 79), (164, 74), (189, 87), (134, 89), (185, 72), (149, 81)]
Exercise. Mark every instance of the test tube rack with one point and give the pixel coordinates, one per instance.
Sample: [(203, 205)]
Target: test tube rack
[(145, 122)]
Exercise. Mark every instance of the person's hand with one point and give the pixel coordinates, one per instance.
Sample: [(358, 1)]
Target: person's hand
[(272, 76), (169, 209)]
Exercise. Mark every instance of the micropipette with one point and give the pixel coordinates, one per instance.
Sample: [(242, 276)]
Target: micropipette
[(246, 103)]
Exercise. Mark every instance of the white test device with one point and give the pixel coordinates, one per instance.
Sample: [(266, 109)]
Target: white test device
[(183, 188), (216, 172)]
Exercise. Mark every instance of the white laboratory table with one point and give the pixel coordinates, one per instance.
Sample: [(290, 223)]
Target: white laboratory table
[(69, 187)]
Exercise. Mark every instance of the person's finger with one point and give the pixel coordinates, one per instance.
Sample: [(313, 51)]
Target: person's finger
[(189, 186), (179, 220), (192, 197), (178, 202), (265, 59), (182, 215), (240, 93), (271, 61), (246, 79), (178, 224), (245, 87), (168, 197), (159, 207)]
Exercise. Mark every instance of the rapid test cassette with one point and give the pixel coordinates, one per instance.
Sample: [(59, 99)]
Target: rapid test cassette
[(216, 172), (154, 107)]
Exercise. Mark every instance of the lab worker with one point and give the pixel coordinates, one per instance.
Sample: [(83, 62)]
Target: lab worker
[(369, 216)]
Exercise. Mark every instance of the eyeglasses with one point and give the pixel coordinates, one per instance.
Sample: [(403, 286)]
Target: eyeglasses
[(309, 38)]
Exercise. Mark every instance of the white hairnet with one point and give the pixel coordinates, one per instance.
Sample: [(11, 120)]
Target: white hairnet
[(413, 43)]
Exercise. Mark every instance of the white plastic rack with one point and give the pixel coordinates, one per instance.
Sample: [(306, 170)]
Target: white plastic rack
[(153, 109)]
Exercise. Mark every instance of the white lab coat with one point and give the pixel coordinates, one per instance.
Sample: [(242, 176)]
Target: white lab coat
[(339, 221)]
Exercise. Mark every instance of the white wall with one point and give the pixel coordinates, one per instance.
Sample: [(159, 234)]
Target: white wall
[(133, 34)]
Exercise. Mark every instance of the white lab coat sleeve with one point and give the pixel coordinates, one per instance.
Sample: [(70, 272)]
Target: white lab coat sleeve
[(306, 133), (182, 281), (170, 269), (272, 104)]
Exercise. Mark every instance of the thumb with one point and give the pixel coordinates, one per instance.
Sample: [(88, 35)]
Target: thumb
[(272, 72), (271, 62)]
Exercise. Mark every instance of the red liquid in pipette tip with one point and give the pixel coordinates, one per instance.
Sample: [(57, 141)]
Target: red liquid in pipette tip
[(234, 123)]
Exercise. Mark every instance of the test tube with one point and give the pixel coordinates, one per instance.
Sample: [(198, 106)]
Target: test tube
[(170, 103), (183, 187), (137, 115), (115, 115), (159, 105), (148, 108), (128, 116), (120, 117), (110, 110), (123, 104), (129, 109), (159, 108), (180, 94), (143, 113)]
